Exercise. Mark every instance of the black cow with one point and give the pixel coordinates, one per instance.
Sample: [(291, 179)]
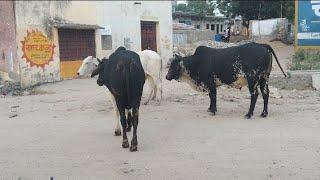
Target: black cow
[(124, 76), (236, 66)]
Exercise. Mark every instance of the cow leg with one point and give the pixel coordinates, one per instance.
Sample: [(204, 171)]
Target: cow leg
[(117, 130), (151, 87), (252, 84), (265, 94), (135, 121), (155, 90), (159, 91), (129, 120), (125, 142), (213, 97)]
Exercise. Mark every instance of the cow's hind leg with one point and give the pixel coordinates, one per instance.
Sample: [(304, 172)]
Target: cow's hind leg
[(213, 96), (129, 120), (125, 142), (135, 121), (151, 85), (252, 84), (265, 94)]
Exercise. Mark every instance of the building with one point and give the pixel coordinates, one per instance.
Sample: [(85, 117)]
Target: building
[(206, 23), (46, 41)]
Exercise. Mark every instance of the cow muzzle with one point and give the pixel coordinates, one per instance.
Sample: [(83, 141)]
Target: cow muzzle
[(169, 78), (100, 82)]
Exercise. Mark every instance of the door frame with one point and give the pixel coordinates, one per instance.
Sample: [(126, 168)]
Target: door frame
[(157, 33)]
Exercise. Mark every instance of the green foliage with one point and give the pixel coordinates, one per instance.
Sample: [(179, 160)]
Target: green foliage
[(182, 7), (306, 60), (200, 7), (250, 9)]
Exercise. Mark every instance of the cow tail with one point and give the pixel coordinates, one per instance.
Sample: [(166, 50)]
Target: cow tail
[(127, 81), (274, 54)]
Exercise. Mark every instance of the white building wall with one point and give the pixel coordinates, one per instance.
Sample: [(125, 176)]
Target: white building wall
[(265, 27), (124, 18)]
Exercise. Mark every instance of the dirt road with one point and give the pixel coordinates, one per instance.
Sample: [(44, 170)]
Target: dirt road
[(66, 132)]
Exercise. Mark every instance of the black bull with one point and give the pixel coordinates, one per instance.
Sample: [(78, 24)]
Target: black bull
[(124, 76), (236, 66)]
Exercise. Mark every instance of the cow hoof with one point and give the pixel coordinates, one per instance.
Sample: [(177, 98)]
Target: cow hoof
[(264, 114), (125, 143), (133, 148), (248, 116), (213, 112), (128, 129), (117, 132)]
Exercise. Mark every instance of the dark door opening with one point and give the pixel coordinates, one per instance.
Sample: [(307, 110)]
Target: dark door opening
[(148, 35), (74, 46), (217, 29)]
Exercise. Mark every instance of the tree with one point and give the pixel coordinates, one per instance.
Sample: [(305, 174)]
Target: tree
[(182, 7), (262, 9), (200, 7)]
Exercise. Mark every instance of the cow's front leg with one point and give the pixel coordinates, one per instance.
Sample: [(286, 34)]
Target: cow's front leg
[(213, 97), (265, 95), (135, 121), (252, 84), (117, 130)]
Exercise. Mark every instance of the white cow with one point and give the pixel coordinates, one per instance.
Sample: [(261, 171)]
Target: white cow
[(151, 63)]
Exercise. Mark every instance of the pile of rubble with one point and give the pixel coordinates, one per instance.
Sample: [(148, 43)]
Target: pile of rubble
[(182, 26), (9, 88)]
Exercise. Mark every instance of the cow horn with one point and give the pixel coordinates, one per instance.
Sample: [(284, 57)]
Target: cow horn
[(98, 60)]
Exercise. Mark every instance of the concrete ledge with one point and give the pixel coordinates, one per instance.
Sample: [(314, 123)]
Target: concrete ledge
[(299, 80)]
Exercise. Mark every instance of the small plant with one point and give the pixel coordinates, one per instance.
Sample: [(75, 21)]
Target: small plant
[(306, 60)]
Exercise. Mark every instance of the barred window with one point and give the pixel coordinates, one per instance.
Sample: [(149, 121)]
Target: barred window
[(106, 42)]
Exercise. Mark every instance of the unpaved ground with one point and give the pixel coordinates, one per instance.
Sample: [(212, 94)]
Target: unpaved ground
[(66, 132), (283, 51)]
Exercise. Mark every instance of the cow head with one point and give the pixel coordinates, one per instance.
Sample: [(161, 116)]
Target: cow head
[(100, 71), (88, 65), (175, 68)]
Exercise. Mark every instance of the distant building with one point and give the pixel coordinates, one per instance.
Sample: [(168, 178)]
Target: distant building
[(206, 23)]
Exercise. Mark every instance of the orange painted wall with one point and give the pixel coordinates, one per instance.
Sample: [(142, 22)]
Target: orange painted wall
[(68, 69)]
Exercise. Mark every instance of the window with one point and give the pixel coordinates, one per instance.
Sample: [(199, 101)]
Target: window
[(198, 26), (106, 42), (208, 26), (212, 27), (221, 27)]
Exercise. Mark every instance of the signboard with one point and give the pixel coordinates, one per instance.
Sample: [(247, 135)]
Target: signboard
[(37, 48), (308, 23)]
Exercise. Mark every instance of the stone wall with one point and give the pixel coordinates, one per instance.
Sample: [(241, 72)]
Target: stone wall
[(191, 36)]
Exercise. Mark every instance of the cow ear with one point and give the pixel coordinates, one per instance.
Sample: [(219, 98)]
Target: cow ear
[(177, 56), (95, 72)]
